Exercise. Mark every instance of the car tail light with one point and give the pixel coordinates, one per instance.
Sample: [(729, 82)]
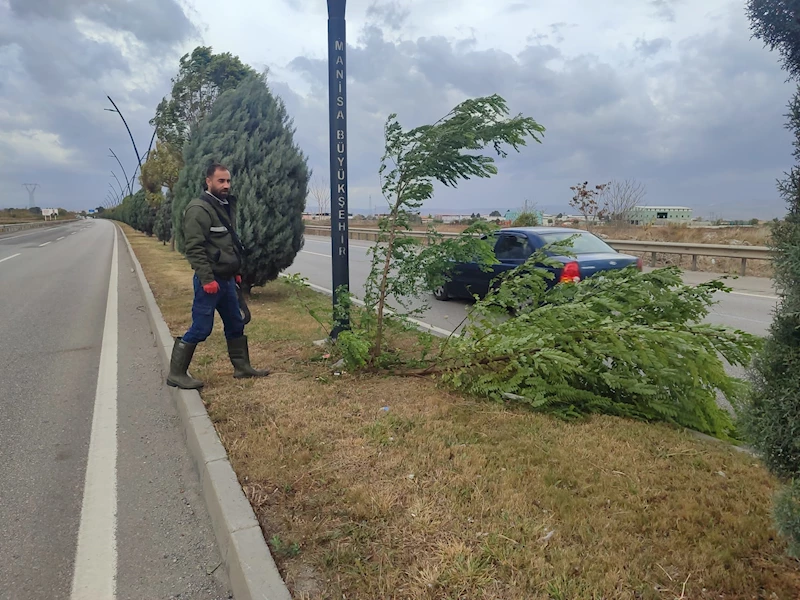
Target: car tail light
[(571, 273), (639, 264)]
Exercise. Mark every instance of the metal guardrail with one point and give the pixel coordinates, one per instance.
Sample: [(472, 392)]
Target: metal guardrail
[(742, 253), (11, 227)]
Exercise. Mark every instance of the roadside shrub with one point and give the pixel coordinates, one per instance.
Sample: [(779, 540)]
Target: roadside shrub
[(622, 342), (786, 512)]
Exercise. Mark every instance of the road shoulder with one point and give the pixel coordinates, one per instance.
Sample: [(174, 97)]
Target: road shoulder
[(250, 567)]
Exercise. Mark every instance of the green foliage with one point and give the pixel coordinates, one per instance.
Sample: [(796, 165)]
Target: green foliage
[(202, 77), (284, 549), (354, 348), (449, 152), (134, 211), (786, 512), (775, 22), (250, 132), (621, 343), (771, 420), (159, 171), (526, 219), (163, 222)]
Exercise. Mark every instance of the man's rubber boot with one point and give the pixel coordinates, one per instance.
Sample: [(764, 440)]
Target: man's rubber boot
[(240, 359), (181, 357)]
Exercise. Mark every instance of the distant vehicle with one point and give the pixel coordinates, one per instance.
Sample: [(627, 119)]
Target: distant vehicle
[(514, 245)]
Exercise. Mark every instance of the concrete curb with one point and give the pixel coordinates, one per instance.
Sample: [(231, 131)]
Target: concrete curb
[(251, 569)]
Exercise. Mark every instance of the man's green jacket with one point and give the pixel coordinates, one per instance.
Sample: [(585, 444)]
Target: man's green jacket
[(208, 246)]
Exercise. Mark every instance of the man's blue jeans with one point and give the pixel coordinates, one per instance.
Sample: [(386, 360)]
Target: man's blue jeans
[(225, 301)]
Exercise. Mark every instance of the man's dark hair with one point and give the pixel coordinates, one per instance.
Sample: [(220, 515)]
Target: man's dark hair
[(214, 167)]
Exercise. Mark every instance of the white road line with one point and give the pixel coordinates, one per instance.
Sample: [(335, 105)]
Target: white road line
[(755, 295), (73, 233), (315, 253), (95, 576), (61, 238), (45, 244), (9, 257), (421, 324)]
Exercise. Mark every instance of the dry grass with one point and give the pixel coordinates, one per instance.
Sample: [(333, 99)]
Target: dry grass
[(443, 497), (737, 236)]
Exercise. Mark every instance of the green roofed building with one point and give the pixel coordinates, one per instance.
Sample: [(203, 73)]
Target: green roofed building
[(660, 215)]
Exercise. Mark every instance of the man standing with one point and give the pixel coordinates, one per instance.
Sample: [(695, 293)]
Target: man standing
[(215, 253)]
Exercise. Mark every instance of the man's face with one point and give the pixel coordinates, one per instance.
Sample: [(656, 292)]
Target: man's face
[(219, 184)]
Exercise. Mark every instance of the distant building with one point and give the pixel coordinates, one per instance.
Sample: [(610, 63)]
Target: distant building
[(451, 218), (660, 215)]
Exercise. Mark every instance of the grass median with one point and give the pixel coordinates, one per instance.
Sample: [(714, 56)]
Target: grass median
[(386, 487)]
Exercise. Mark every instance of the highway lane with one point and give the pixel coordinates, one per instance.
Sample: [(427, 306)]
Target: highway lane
[(749, 307), (139, 513)]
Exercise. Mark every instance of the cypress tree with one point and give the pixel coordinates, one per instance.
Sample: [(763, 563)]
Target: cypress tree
[(139, 214), (771, 419), (250, 132), (163, 224)]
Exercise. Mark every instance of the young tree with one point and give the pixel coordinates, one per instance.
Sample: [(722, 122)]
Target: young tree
[(161, 171), (449, 151), (202, 77), (772, 417), (526, 219), (589, 202), (250, 132), (320, 191), (527, 215), (622, 196)]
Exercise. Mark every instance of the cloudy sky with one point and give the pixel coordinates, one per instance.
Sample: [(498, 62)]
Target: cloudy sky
[(673, 93)]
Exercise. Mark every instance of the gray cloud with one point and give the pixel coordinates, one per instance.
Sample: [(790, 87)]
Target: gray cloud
[(59, 59), (701, 127), (151, 21), (390, 14), (701, 124), (517, 7), (664, 9), (649, 48)]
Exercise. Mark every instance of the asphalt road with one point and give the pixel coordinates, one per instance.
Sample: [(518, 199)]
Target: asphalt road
[(749, 307), (90, 443)]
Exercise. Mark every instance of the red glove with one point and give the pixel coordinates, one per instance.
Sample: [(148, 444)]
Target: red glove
[(211, 288), (238, 279)]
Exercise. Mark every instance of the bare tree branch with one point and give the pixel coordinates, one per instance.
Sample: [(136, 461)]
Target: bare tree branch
[(622, 197), (320, 190)]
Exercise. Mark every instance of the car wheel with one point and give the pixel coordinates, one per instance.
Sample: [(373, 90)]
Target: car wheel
[(440, 293)]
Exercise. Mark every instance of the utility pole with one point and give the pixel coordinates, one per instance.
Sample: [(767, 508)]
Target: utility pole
[(31, 187), (337, 99)]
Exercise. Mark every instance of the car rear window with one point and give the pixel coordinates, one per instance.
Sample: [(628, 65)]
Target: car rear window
[(583, 243)]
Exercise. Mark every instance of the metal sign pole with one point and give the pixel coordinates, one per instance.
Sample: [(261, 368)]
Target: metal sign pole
[(337, 97)]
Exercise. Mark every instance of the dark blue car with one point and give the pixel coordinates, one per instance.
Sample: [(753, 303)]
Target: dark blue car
[(513, 246)]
